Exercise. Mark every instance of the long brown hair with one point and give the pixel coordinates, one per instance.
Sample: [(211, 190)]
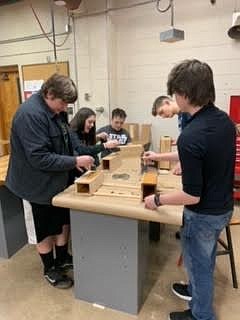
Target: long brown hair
[(78, 124)]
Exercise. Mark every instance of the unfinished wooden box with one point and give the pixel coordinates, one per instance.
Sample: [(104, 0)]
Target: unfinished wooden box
[(131, 150), (165, 146), (145, 136), (111, 162), (148, 184), (133, 130), (89, 182)]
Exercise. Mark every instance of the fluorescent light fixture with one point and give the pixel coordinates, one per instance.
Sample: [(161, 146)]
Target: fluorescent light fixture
[(60, 2)]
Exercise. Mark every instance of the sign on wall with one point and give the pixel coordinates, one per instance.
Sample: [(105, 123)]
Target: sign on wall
[(31, 87)]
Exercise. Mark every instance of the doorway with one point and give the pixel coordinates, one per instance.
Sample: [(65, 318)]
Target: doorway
[(10, 99)]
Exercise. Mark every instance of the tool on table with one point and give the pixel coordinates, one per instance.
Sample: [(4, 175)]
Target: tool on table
[(147, 166)]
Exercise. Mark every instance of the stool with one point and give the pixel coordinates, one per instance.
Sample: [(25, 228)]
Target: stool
[(228, 249)]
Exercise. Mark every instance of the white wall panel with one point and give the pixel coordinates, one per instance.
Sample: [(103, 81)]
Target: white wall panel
[(144, 63), (120, 60)]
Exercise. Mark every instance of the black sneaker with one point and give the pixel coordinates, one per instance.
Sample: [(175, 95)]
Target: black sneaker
[(65, 265), (181, 290), (183, 315), (57, 279)]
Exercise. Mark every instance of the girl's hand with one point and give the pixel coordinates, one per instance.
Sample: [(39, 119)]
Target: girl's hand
[(102, 136)]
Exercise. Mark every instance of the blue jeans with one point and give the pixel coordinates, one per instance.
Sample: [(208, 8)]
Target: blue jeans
[(199, 236)]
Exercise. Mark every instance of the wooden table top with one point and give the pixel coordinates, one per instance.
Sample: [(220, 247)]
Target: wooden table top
[(3, 168), (107, 199), (3, 142)]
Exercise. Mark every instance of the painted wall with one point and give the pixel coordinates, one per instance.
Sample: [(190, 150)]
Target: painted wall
[(143, 62), (17, 21), (88, 59), (92, 64), (119, 59)]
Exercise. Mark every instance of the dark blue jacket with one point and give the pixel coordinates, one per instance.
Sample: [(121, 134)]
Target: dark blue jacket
[(41, 154), (81, 146)]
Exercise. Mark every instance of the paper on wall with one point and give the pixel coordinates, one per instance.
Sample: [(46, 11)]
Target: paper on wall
[(32, 85)]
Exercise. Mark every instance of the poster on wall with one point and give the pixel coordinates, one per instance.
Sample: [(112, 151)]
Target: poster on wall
[(31, 87)]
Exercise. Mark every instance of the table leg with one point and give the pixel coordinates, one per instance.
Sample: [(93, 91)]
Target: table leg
[(110, 260)]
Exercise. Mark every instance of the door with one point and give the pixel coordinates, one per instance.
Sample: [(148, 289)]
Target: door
[(9, 101)]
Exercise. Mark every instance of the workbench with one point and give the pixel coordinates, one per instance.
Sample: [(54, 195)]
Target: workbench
[(13, 235), (110, 237)]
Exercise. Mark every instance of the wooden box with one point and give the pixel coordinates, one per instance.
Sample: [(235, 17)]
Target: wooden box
[(131, 150), (165, 146), (149, 184), (89, 182), (111, 162)]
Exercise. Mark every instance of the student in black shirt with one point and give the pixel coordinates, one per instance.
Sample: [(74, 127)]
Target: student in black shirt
[(115, 130), (206, 149)]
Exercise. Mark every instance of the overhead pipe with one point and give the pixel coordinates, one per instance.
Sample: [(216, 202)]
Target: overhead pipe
[(130, 6), (33, 37), (29, 53), (75, 57), (53, 30)]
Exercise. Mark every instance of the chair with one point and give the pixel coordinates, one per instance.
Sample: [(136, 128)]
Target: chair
[(227, 249)]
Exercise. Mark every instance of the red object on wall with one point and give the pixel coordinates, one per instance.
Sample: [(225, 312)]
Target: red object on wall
[(234, 113), (27, 94)]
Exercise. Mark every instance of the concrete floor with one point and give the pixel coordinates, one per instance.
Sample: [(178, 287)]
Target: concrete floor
[(25, 294)]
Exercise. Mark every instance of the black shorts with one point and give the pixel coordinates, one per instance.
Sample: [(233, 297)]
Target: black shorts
[(49, 220)]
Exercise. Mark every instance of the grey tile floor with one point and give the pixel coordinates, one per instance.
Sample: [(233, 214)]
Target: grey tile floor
[(25, 294)]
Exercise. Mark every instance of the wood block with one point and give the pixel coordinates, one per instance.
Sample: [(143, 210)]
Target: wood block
[(3, 142), (89, 182), (146, 135), (133, 129), (131, 150), (165, 146), (234, 221), (111, 162), (3, 168), (126, 126), (148, 184)]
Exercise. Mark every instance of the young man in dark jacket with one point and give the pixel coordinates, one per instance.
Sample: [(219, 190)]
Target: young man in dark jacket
[(206, 149), (41, 160)]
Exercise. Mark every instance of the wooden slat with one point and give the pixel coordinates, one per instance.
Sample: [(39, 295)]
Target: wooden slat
[(165, 146), (145, 135), (4, 142), (234, 221), (3, 168), (43, 71)]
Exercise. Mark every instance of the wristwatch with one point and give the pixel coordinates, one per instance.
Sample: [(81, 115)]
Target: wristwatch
[(157, 200)]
